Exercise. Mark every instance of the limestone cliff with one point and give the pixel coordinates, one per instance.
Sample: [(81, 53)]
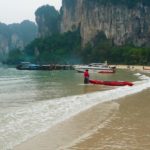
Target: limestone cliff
[(119, 22), (16, 36)]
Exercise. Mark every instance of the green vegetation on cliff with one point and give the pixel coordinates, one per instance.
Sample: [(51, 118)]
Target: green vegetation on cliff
[(58, 48), (15, 56), (66, 49), (47, 18), (4, 31), (129, 3), (101, 49)]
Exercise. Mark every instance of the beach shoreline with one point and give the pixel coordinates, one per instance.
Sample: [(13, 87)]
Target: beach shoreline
[(67, 134), (129, 130), (72, 130), (140, 68)]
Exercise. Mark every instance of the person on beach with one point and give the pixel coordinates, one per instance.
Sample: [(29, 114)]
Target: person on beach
[(86, 77)]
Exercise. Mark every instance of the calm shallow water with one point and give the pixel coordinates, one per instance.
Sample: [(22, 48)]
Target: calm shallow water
[(33, 101), (17, 87)]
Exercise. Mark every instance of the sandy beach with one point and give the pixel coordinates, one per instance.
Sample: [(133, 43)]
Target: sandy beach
[(134, 67), (129, 130), (119, 125)]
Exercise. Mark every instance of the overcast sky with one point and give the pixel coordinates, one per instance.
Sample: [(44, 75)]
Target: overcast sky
[(15, 11)]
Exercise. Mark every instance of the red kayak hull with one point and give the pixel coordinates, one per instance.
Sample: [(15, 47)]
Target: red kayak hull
[(106, 71), (111, 83)]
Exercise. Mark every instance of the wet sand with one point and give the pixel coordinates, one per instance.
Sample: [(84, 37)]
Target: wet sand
[(129, 130), (123, 124)]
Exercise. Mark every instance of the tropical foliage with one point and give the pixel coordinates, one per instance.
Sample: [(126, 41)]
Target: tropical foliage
[(129, 3), (47, 17), (66, 49), (15, 56), (58, 48), (101, 49)]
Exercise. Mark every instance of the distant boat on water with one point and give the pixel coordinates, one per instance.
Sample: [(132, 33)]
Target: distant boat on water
[(27, 66), (30, 66), (95, 68)]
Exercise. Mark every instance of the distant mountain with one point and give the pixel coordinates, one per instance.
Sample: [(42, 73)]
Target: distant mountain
[(16, 36)]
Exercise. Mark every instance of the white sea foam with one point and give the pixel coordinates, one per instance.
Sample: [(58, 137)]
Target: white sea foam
[(141, 76), (144, 77), (23, 123), (137, 74)]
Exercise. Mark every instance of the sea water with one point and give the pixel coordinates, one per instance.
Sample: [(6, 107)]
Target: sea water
[(33, 101)]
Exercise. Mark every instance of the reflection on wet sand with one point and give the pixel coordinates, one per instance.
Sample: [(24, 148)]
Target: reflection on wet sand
[(129, 130)]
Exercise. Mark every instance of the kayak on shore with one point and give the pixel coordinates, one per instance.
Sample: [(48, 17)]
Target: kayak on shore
[(111, 83)]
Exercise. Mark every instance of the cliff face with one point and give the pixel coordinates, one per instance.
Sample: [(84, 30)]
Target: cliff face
[(120, 23), (16, 36)]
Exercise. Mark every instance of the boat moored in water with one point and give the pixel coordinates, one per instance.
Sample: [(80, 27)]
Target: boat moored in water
[(95, 68), (30, 66), (27, 66)]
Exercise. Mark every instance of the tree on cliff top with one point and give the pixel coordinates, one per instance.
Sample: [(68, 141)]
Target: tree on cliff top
[(129, 3), (47, 18)]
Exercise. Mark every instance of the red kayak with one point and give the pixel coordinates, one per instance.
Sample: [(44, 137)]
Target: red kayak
[(106, 71), (112, 70), (111, 83)]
